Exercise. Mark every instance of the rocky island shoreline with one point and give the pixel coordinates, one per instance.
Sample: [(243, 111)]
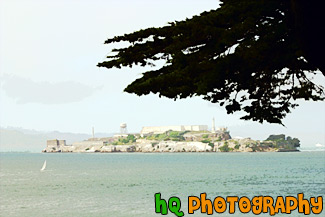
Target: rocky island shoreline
[(176, 140)]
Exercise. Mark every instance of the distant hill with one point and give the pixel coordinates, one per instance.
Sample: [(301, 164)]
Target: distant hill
[(18, 139)]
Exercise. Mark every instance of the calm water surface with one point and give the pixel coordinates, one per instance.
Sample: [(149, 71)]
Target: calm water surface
[(124, 184)]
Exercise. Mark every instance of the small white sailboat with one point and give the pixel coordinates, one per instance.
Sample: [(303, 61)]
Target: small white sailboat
[(44, 166)]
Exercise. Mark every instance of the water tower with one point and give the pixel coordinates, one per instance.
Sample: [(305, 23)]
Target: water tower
[(123, 128)]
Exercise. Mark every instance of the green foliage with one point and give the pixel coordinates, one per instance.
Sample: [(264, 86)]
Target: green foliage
[(176, 139), (131, 138), (224, 148), (116, 143), (173, 133), (237, 146), (208, 141), (205, 136), (150, 137), (284, 142), (211, 144), (269, 144), (254, 56), (276, 137), (169, 135), (125, 140), (161, 137)]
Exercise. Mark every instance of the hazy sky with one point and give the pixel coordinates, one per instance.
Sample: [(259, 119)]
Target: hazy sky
[(49, 80)]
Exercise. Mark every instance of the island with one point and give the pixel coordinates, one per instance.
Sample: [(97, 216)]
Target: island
[(192, 138)]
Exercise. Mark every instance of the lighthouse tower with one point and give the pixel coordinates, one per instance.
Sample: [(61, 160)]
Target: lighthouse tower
[(213, 128)]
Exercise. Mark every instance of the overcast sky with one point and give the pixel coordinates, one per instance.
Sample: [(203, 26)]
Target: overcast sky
[(49, 80)]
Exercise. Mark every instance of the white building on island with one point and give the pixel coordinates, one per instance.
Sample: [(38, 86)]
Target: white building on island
[(163, 129)]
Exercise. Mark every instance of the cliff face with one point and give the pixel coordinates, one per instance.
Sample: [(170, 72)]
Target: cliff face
[(172, 146), (142, 146), (244, 145)]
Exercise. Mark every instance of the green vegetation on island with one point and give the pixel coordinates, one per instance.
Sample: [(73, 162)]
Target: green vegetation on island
[(167, 136), (129, 140), (220, 143), (178, 141), (272, 143), (281, 141)]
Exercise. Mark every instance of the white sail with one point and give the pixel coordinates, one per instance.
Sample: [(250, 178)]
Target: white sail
[(44, 166)]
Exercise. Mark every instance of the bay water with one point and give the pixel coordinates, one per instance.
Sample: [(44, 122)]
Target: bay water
[(124, 184)]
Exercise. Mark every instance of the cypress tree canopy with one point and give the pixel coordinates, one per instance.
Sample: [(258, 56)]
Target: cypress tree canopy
[(255, 56)]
